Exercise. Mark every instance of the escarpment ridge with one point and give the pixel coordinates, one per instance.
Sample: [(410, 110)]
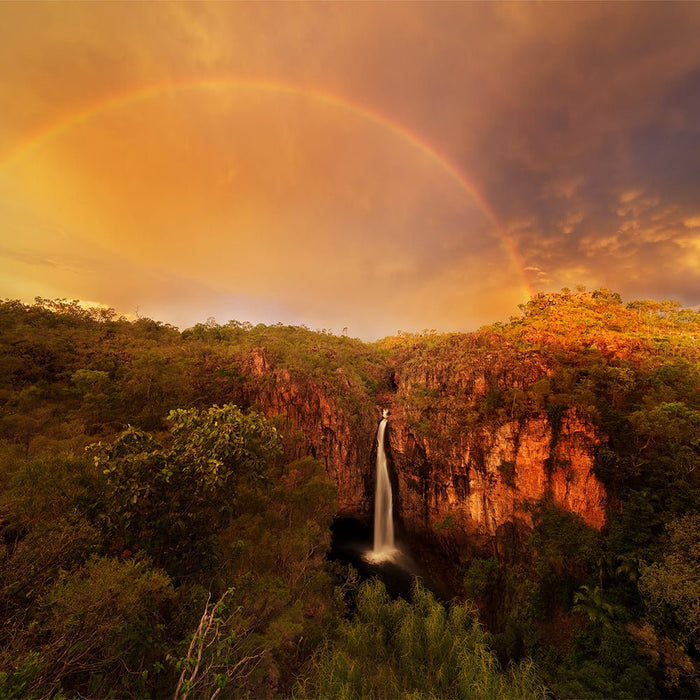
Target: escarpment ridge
[(484, 425), (551, 405)]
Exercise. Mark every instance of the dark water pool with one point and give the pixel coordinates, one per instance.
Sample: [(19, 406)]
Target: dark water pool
[(352, 541)]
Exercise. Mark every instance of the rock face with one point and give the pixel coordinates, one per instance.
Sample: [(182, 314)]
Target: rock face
[(317, 423), (456, 470), (450, 475), (487, 477)]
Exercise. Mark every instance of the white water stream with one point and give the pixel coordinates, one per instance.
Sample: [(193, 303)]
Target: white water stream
[(384, 547)]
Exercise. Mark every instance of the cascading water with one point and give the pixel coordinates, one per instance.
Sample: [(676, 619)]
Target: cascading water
[(384, 547), (393, 565)]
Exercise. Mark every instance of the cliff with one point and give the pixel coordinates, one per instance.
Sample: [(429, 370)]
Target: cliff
[(488, 476), (331, 420), (466, 459), (455, 470)]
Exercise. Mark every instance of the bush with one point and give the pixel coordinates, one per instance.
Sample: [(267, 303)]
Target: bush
[(417, 649), (100, 627)]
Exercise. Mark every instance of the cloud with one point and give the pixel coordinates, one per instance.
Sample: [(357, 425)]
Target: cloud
[(578, 125), (27, 257), (629, 196)]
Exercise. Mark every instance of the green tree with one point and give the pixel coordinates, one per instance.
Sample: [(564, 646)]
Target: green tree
[(281, 600), (671, 586), (171, 497), (590, 602), (102, 626), (417, 649)]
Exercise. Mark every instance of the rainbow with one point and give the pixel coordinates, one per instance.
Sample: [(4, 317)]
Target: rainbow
[(66, 123)]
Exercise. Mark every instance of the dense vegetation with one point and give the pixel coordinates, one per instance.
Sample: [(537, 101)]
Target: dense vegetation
[(158, 537), (416, 648), (603, 614)]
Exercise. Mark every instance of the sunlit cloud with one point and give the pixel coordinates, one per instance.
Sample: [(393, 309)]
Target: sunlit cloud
[(549, 146), (629, 196)]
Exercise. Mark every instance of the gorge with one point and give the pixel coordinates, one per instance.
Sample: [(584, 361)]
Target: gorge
[(484, 426), (544, 472), (452, 480)]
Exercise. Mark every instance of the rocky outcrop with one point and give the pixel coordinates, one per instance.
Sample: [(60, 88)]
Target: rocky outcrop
[(454, 470), (332, 421), (464, 470), (489, 475)]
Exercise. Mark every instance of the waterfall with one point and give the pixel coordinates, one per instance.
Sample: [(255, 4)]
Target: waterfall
[(384, 547)]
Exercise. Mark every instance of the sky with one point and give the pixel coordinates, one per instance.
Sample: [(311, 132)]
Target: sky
[(373, 167)]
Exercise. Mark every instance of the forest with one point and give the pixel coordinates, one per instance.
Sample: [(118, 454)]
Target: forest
[(164, 533)]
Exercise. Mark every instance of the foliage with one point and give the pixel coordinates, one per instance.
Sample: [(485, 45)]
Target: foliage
[(207, 668), (172, 499), (79, 620), (671, 586), (393, 649), (105, 621), (590, 601), (604, 662), (274, 559), (480, 577), (194, 533)]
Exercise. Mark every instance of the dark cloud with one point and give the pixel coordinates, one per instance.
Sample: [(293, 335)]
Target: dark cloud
[(579, 123)]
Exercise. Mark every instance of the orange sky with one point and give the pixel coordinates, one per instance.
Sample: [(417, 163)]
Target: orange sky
[(369, 166)]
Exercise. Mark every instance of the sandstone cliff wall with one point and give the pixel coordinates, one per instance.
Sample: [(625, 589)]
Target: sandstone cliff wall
[(456, 469), (449, 477), (488, 476), (328, 420)]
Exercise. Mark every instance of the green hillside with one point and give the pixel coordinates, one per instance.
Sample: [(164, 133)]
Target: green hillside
[(158, 538)]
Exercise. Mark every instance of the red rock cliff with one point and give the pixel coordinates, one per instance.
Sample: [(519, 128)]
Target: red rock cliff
[(329, 421), (457, 469), (487, 476), (453, 474)]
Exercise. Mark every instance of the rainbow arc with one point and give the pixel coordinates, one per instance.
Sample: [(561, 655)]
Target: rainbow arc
[(70, 121)]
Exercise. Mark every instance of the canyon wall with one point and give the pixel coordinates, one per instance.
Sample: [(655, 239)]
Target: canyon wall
[(486, 477), (332, 421), (457, 469), (454, 471)]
